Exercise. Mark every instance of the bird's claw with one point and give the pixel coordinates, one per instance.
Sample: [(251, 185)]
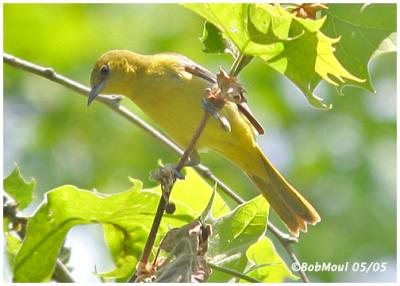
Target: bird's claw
[(194, 159), (214, 110)]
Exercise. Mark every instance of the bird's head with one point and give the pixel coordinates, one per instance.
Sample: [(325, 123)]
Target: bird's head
[(114, 73)]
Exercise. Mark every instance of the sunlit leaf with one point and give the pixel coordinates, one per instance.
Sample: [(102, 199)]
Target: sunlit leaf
[(233, 233), (267, 265), (126, 217), (361, 29), (190, 197), (19, 189), (67, 206), (12, 246), (293, 46), (194, 193)]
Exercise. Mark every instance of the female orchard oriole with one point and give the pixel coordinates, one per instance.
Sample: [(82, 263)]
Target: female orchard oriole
[(169, 88)]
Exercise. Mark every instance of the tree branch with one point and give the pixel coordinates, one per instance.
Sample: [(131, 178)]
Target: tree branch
[(113, 103)]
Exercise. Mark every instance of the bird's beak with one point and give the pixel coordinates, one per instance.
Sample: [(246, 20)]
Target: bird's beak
[(95, 91)]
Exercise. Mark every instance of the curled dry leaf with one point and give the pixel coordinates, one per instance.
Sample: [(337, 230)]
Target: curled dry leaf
[(308, 10), (183, 258)]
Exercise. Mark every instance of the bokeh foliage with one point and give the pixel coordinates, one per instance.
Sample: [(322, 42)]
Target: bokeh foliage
[(343, 159)]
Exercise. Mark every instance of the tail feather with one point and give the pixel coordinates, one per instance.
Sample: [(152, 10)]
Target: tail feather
[(289, 204)]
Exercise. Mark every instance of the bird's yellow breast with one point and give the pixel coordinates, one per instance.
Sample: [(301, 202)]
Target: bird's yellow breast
[(173, 99)]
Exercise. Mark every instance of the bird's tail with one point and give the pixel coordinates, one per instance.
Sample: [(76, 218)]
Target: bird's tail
[(289, 204)]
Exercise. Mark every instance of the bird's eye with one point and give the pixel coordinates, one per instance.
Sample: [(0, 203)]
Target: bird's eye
[(104, 70)]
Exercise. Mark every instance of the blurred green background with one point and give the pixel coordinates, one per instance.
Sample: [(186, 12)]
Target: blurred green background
[(343, 160)]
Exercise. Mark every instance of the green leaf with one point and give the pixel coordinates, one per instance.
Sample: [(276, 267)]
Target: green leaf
[(126, 218), (19, 189), (195, 193), (293, 46), (212, 39), (361, 28), (267, 265), (12, 246), (233, 233), (190, 197), (131, 212)]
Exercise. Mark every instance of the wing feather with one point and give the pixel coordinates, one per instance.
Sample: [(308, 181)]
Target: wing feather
[(201, 72)]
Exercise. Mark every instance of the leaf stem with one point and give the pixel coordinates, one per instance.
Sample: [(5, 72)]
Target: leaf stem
[(233, 273)]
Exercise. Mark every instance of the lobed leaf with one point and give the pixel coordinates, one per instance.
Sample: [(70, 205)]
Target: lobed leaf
[(19, 189), (190, 197), (236, 243), (361, 28), (126, 218), (291, 45), (68, 206)]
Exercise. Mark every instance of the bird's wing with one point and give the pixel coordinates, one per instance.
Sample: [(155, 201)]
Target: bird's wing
[(199, 71), (245, 110)]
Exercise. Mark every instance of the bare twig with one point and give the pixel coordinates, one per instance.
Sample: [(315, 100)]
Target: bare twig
[(61, 273), (10, 210), (113, 103), (296, 261)]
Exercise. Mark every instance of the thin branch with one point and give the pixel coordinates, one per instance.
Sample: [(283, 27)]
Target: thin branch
[(167, 188), (113, 103), (296, 261), (233, 273), (61, 273), (10, 210)]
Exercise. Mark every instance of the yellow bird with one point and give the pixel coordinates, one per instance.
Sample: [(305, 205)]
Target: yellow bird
[(170, 88)]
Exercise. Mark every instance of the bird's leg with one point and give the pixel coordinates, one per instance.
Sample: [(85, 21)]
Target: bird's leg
[(211, 107), (227, 89), (194, 159)]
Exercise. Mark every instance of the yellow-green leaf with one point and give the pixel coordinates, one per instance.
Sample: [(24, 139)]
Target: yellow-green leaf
[(19, 189), (267, 265), (293, 46)]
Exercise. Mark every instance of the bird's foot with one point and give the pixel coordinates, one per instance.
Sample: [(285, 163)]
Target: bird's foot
[(194, 159), (214, 110)]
